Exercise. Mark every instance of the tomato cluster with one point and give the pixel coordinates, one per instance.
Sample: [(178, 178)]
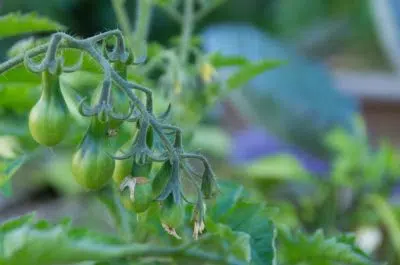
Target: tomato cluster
[(93, 165)]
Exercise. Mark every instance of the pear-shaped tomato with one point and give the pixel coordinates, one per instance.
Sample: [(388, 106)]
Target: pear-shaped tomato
[(143, 197), (172, 214), (49, 119), (92, 167), (160, 180)]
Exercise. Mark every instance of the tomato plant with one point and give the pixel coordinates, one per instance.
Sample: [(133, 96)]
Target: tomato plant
[(129, 121)]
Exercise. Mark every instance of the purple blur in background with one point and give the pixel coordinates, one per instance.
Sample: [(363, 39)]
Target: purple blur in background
[(254, 143)]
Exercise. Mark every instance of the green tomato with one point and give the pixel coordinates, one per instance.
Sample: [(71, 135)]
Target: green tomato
[(161, 178), (143, 191), (142, 201), (172, 214), (92, 167), (143, 198), (141, 170), (123, 168), (49, 119)]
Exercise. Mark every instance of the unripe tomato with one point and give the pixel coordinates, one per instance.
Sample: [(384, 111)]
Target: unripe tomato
[(49, 119), (122, 168), (143, 198), (92, 167), (143, 195), (141, 170), (128, 166), (161, 178), (172, 214)]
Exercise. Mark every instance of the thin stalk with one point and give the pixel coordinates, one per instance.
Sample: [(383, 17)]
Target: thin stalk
[(7, 65), (122, 17), (176, 153), (137, 39), (187, 29), (143, 19), (208, 9)]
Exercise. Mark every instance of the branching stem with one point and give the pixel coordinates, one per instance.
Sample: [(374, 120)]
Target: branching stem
[(60, 40)]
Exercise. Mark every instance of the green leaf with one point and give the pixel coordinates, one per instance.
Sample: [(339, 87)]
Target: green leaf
[(6, 189), (316, 249), (212, 140), (218, 60), (18, 89), (19, 76), (388, 218), (15, 126), (8, 169), (252, 218), (228, 197), (25, 241), (163, 2), (238, 242), (249, 71), (16, 23), (280, 167)]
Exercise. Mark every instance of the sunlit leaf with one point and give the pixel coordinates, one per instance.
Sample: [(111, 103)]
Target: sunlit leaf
[(25, 241), (252, 218), (388, 218), (212, 140), (8, 169), (316, 249), (6, 189), (218, 60), (249, 71), (17, 23), (238, 242), (283, 167)]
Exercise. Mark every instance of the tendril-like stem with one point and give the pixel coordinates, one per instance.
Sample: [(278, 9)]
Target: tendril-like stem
[(174, 149)]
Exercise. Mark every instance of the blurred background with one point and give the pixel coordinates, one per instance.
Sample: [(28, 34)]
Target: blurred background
[(341, 69), (343, 59)]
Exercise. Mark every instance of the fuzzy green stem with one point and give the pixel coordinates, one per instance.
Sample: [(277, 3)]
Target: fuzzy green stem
[(175, 153), (7, 65), (173, 13), (143, 19), (187, 29), (208, 9), (137, 39), (122, 17)]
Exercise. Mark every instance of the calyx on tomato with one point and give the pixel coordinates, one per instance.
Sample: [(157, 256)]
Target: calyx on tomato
[(49, 119)]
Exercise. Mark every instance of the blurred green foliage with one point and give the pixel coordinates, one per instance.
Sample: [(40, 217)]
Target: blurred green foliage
[(355, 193)]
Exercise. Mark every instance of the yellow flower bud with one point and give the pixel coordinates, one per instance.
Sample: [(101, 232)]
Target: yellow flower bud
[(207, 72)]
